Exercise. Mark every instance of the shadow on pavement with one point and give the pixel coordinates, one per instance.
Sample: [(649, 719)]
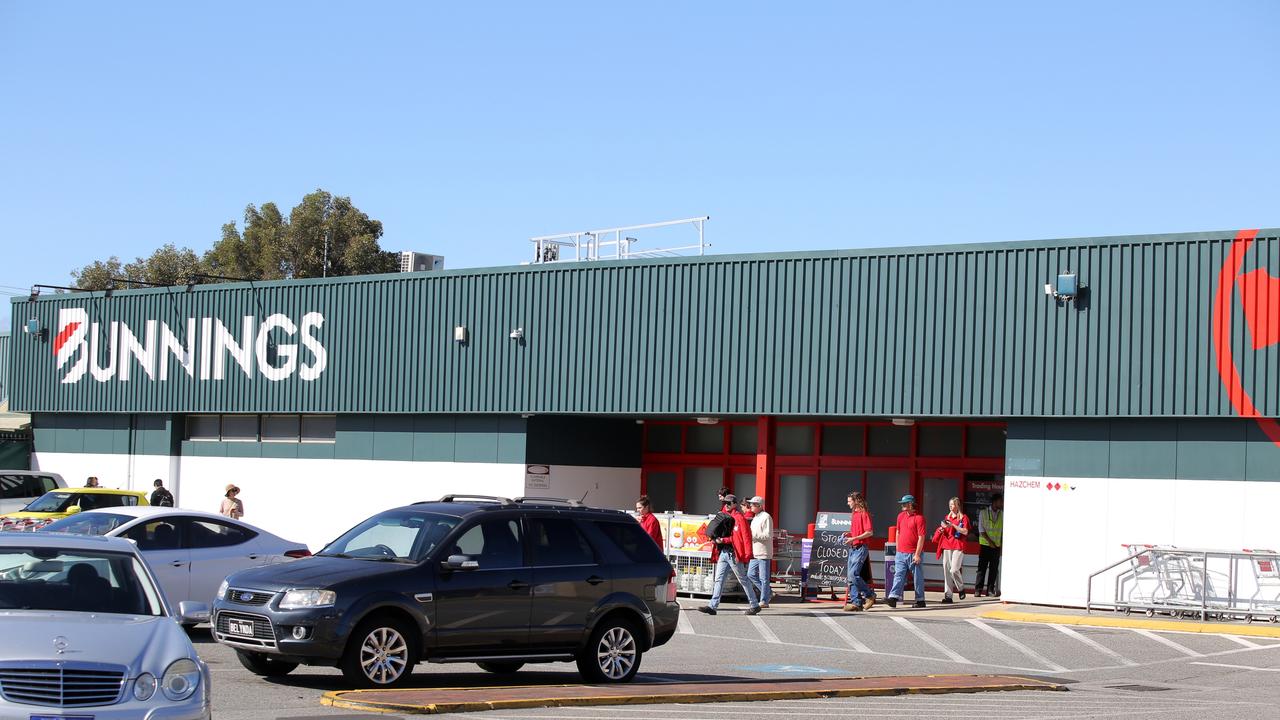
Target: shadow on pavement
[(459, 680)]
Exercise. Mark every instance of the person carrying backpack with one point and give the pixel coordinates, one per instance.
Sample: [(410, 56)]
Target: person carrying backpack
[(161, 497), (730, 534)]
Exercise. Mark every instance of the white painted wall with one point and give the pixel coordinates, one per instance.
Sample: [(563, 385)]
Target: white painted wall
[(615, 488), (1054, 539), (314, 501)]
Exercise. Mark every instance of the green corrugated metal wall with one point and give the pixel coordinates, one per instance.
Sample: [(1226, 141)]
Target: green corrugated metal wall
[(942, 331)]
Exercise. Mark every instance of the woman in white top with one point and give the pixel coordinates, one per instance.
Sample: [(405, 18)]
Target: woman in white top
[(761, 550), (232, 507)]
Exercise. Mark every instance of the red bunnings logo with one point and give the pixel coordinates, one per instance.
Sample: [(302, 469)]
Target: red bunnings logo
[(1260, 303), (157, 352)]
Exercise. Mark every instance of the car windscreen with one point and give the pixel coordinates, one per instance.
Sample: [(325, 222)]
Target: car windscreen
[(53, 502), (49, 578), (402, 535), (97, 523)]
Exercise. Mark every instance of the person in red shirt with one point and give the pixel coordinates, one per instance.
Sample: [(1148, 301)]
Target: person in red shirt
[(730, 554), (910, 548), (953, 532), (648, 521), (861, 596)]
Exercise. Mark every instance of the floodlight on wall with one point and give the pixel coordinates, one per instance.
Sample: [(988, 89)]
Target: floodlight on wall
[(708, 420), (33, 328), (903, 422), (517, 334), (460, 334)]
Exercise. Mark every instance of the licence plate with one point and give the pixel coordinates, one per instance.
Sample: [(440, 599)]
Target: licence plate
[(240, 627)]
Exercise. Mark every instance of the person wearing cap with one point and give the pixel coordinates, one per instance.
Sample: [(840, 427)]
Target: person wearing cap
[(730, 553), (910, 549), (232, 507), (761, 550)]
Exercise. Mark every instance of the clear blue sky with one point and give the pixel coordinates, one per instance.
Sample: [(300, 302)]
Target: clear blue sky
[(467, 128)]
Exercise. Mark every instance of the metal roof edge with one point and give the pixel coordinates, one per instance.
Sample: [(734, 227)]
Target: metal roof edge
[(882, 251)]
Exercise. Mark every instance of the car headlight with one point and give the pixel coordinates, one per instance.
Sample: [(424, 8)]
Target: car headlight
[(180, 679), (222, 590), (308, 598), (144, 687)]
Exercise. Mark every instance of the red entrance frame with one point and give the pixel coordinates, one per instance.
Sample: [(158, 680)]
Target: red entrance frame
[(769, 466)]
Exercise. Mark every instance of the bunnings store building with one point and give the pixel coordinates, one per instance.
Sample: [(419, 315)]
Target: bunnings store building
[(1119, 390)]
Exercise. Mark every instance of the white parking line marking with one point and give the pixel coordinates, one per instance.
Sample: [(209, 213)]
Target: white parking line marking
[(1017, 645), (1094, 644), (932, 642), (1242, 641), (841, 633), (1238, 667), (1169, 643), (763, 629), (683, 626)]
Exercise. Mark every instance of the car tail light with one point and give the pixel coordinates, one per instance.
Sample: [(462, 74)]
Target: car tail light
[(671, 587), (297, 553)]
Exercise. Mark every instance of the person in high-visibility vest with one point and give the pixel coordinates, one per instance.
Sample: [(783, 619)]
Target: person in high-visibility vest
[(991, 544)]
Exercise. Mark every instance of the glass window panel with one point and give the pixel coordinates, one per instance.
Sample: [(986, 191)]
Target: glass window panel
[(744, 485), (240, 428), (978, 489), (702, 490), (319, 428), (661, 488), (662, 438), (212, 534), (986, 441), (798, 495), (833, 491), (280, 428), (844, 440), (889, 441), (203, 427), (884, 489), (795, 439), (743, 439), (559, 542), (937, 493), (941, 440), (494, 543), (704, 439)]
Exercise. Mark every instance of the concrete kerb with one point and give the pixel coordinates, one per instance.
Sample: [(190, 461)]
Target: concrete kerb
[(1219, 628), (542, 696)]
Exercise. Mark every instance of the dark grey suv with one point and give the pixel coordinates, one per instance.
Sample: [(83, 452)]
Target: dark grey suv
[(492, 581)]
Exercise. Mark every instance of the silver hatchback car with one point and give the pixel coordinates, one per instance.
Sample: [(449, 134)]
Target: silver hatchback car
[(88, 634)]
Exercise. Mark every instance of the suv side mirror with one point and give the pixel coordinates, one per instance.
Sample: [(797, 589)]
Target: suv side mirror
[(460, 562)]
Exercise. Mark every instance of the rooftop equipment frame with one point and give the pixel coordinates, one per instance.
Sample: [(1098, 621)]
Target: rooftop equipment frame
[(611, 243)]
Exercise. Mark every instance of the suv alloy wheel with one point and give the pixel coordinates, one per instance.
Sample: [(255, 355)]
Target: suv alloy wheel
[(381, 653), (613, 653)]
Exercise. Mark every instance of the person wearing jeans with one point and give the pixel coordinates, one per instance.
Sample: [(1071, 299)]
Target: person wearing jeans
[(730, 553), (761, 550), (910, 549), (860, 595)]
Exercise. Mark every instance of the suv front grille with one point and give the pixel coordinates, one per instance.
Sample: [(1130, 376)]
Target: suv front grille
[(61, 684), (263, 633), (241, 596)]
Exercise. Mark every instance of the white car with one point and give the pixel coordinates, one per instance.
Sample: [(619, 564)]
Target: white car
[(18, 488), (87, 634), (190, 552)]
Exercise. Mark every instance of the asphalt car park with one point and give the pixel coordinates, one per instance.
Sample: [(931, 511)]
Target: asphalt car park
[(1110, 671)]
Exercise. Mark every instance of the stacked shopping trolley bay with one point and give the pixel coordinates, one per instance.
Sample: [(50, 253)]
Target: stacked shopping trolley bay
[(1190, 583)]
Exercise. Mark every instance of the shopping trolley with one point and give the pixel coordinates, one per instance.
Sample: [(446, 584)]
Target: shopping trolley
[(1265, 600)]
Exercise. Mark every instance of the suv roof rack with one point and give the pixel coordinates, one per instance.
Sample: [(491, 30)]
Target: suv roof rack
[(483, 498), (551, 500)]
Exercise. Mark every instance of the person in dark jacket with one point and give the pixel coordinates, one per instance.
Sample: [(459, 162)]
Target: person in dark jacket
[(730, 552), (161, 497)]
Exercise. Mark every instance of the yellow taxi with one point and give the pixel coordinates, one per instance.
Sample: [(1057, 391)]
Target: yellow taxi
[(57, 504)]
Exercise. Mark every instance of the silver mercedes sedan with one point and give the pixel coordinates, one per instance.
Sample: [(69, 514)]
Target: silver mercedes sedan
[(87, 634)]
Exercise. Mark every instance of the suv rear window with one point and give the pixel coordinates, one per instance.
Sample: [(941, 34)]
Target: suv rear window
[(632, 540)]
